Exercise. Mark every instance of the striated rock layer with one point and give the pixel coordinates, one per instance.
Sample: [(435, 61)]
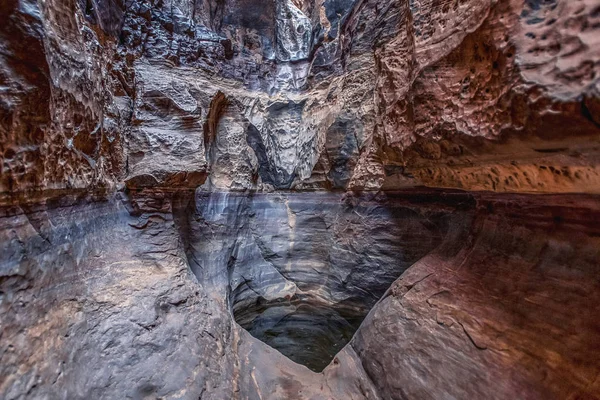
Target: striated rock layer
[(299, 199), (100, 300), (476, 95), (303, 269)]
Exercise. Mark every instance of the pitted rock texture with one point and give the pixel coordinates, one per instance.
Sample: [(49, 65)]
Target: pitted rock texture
[(60, 127), (293, 34), (174, 171), (328, 94)]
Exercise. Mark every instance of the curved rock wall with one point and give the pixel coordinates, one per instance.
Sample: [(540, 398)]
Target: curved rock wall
[(512, 302), (96, 296), (332, 94), (100, 301), (301, 270), (170, 167)]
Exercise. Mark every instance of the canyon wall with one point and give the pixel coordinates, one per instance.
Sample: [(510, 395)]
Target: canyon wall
[(294, 199), (498, 96)]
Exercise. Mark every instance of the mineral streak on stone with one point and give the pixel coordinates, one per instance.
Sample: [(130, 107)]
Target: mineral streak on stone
[(299, 199)]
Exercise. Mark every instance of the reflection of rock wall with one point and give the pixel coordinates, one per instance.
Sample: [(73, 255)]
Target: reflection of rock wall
[(284, 253)]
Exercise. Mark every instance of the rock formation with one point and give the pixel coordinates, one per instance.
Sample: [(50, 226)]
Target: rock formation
[(299, 199)]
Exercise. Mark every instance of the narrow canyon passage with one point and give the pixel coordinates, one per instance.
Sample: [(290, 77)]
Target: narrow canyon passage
[(299, 199), (485, 283)]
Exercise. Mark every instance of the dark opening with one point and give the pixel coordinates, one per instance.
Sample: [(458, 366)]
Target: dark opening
[(304, 269)]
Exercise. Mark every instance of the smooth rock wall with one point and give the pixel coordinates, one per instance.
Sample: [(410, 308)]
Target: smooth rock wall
[(97, 301), (303, 269), (504, 309), (99, 298)]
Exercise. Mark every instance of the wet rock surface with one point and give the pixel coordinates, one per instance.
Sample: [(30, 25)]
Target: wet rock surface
[(304, 269), (244, 199)]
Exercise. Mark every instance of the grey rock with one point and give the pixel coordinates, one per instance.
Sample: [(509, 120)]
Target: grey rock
[(227, 199), (294, 32)]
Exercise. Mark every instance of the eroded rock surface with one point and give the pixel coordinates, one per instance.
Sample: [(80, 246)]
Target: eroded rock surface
[(172, 172), (471, 95), (499, 308), (303, 269)]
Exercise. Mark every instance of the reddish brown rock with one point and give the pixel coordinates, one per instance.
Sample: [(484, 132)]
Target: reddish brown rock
[(505, 308), (174, 172)]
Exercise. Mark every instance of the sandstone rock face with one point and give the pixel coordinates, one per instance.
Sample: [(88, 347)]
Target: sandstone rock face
[(99, 292), (477, 100), (460, 317), (299, 199)]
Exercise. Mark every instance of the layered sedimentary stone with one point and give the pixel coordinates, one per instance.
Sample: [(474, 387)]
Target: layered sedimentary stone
[(108, 280), (475, 101), (96, 294), (117, 279), (495, 303)]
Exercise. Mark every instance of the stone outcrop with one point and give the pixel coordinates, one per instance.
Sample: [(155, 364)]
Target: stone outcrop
[(99, 94), (98, 293), (294, 199), (491, 309)]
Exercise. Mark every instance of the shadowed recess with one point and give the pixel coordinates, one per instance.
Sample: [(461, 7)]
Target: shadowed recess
[(304, 269)]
